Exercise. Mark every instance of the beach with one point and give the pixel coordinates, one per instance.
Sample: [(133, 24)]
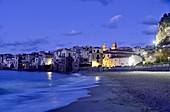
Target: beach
[(126, 92)]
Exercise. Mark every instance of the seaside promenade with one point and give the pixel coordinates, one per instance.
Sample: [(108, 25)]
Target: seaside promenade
[(163, 67)]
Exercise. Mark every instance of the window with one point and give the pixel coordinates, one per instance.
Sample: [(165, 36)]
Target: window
[(69, 54), (98, 58)]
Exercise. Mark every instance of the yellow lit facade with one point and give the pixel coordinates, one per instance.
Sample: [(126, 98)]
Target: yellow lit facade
[(95, 64), (107, 62), (48, 61)]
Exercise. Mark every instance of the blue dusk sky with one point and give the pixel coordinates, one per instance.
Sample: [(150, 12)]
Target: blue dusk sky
[(33, 25)]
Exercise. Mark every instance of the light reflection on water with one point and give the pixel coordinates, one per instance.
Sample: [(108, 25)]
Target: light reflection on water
[(35, 88), (49, 75), (97, 78)]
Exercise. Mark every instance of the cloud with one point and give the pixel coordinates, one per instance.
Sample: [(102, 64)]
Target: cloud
[(138, 44), (151, 30), (63, 45), (113, 22), (72, 33), (36, 48), (120, 43), (150, 20), (26, 45), (103, 2)]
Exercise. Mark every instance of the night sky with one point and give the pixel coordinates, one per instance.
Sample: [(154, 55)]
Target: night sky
[(33, 25)]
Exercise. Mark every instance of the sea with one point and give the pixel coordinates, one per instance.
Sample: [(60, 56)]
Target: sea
[(22, 91)]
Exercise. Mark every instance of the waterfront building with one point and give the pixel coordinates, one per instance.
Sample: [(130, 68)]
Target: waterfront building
[(138, 50), (18, 62), (8, 61), (97, 56), (46, 60), (76, 62), (63, 60), (85, 56), (123, 56)]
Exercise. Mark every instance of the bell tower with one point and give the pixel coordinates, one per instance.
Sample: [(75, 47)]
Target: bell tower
[(114, 46), (105, 47)]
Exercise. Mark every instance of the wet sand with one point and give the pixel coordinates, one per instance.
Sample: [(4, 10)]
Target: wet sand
[(126, 92)]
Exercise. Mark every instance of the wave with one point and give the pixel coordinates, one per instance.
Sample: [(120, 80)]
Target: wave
[(4, 91), (42, 94)]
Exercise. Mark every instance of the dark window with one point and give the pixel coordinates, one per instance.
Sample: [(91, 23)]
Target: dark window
[(98, 58), (69, 54)]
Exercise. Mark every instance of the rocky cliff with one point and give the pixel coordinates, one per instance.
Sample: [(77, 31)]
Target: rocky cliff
[(163, 35)]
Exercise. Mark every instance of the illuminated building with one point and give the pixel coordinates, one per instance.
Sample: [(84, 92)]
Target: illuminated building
[(97, 56), (63, 60), (105, 47), (46, 59), (123, 56)]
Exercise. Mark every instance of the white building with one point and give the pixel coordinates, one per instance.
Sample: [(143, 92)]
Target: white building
[(121, 57)]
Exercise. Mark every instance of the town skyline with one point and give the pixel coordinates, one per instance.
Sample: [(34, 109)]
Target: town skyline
[(30, 26)]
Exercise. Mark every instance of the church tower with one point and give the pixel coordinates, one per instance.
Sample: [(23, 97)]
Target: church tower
[(114, 46), (105, 47)]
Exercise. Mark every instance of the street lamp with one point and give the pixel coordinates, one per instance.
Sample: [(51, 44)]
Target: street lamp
[(154, 42), (168, 58)]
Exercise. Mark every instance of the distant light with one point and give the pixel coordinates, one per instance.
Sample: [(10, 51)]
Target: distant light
[(154, 42), (168, 58), (49, 61), (97, 78)]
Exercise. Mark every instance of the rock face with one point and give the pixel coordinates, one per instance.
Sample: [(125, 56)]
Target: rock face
[(163, 35)]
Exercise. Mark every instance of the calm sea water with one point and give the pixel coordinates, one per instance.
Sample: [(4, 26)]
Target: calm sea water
[(40, 91)]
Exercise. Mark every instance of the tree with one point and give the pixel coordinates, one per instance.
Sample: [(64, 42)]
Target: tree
[(163, 55)]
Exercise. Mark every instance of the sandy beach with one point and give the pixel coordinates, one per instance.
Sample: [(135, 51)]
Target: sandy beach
[(126, 92)]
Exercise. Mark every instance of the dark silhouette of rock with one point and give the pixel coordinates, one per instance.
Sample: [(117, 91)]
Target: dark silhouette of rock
[(165, 15)]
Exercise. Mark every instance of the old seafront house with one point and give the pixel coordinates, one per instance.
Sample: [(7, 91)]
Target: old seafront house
[(73, 59)]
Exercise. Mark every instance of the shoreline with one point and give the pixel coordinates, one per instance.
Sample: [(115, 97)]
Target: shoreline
[(149, 68), (135, 91), (110, 96)]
